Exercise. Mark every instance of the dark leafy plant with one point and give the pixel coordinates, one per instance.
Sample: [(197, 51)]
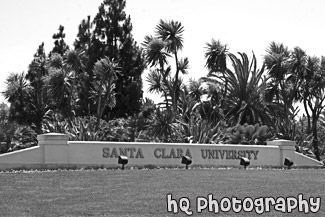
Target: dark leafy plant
[(198, 130), (167, 44), (24, 137), (164, 127), (243, 98), (85, 129), (247, 134), (15, 137)]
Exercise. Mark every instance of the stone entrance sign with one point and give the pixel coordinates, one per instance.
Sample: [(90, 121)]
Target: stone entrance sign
[(54, 150)]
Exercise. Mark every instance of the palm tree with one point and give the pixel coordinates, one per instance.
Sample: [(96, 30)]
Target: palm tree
[(63, 81), (216, 56), (167, 43), (104, 84), (313, 95), (276, 60), (286, 69), (156, 84), (164, 127), (37, 72), (60, 84), (17, 87), (154, 50), (172, 33), (246, 91), (17, 92), (244, 102)]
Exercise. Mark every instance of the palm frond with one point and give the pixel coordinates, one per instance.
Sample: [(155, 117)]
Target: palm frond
[(154, 51), (171, 32), (183, 65), (154, 80), (216, 56)]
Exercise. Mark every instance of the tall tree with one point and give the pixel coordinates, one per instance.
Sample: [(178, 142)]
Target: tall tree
[(168, 42), (284, 69), (244, 99), (216, 56), (313, 96), (27, 95), (17, 94), (64, 82), (105, 72), (109, 35), (86, 44), (60, 46), (295, 76), (38, 102)]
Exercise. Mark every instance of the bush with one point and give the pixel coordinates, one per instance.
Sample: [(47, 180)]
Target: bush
[(247, 134), (15, 137), (84, 129)]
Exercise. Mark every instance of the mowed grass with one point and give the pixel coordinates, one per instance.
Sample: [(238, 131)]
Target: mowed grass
[(143, 192)]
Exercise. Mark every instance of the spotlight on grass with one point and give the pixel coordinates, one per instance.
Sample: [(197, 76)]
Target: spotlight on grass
[(186, 160), (244, 162), (288, 162), (122, 160)]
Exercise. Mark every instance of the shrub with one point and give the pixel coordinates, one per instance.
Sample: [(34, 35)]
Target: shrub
[(247, 134), (15, 137), (84, 129)]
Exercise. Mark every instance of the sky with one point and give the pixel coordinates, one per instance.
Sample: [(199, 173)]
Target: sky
[(244, 25)]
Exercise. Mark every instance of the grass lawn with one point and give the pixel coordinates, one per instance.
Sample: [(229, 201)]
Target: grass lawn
[(143, 192)]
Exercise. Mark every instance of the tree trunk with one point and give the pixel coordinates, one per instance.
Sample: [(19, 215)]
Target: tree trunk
[(162, 72), (315, 138), (175, 85), (99, 105), (315, 144), (308, 130)]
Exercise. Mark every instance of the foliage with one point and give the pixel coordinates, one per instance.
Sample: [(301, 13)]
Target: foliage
[(244, 100), (60, 84), (164, 127), (167, 43), (4, 112), (198, 130), (295, 76), (110, 35), (105, 72), (27, 94), (16, 92), (247, 134), (216, 57), (285, 68), (286, 128), (139, 124), (85, 129), (60, 46), (23, 137), (209, 103), (14, 137)]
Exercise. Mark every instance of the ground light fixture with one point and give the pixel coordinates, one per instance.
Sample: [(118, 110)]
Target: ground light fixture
[(244, 162), (122, 160), (186, 160), (288, 162)]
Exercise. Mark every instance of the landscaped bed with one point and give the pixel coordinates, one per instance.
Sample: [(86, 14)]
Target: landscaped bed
[(134, 192)]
